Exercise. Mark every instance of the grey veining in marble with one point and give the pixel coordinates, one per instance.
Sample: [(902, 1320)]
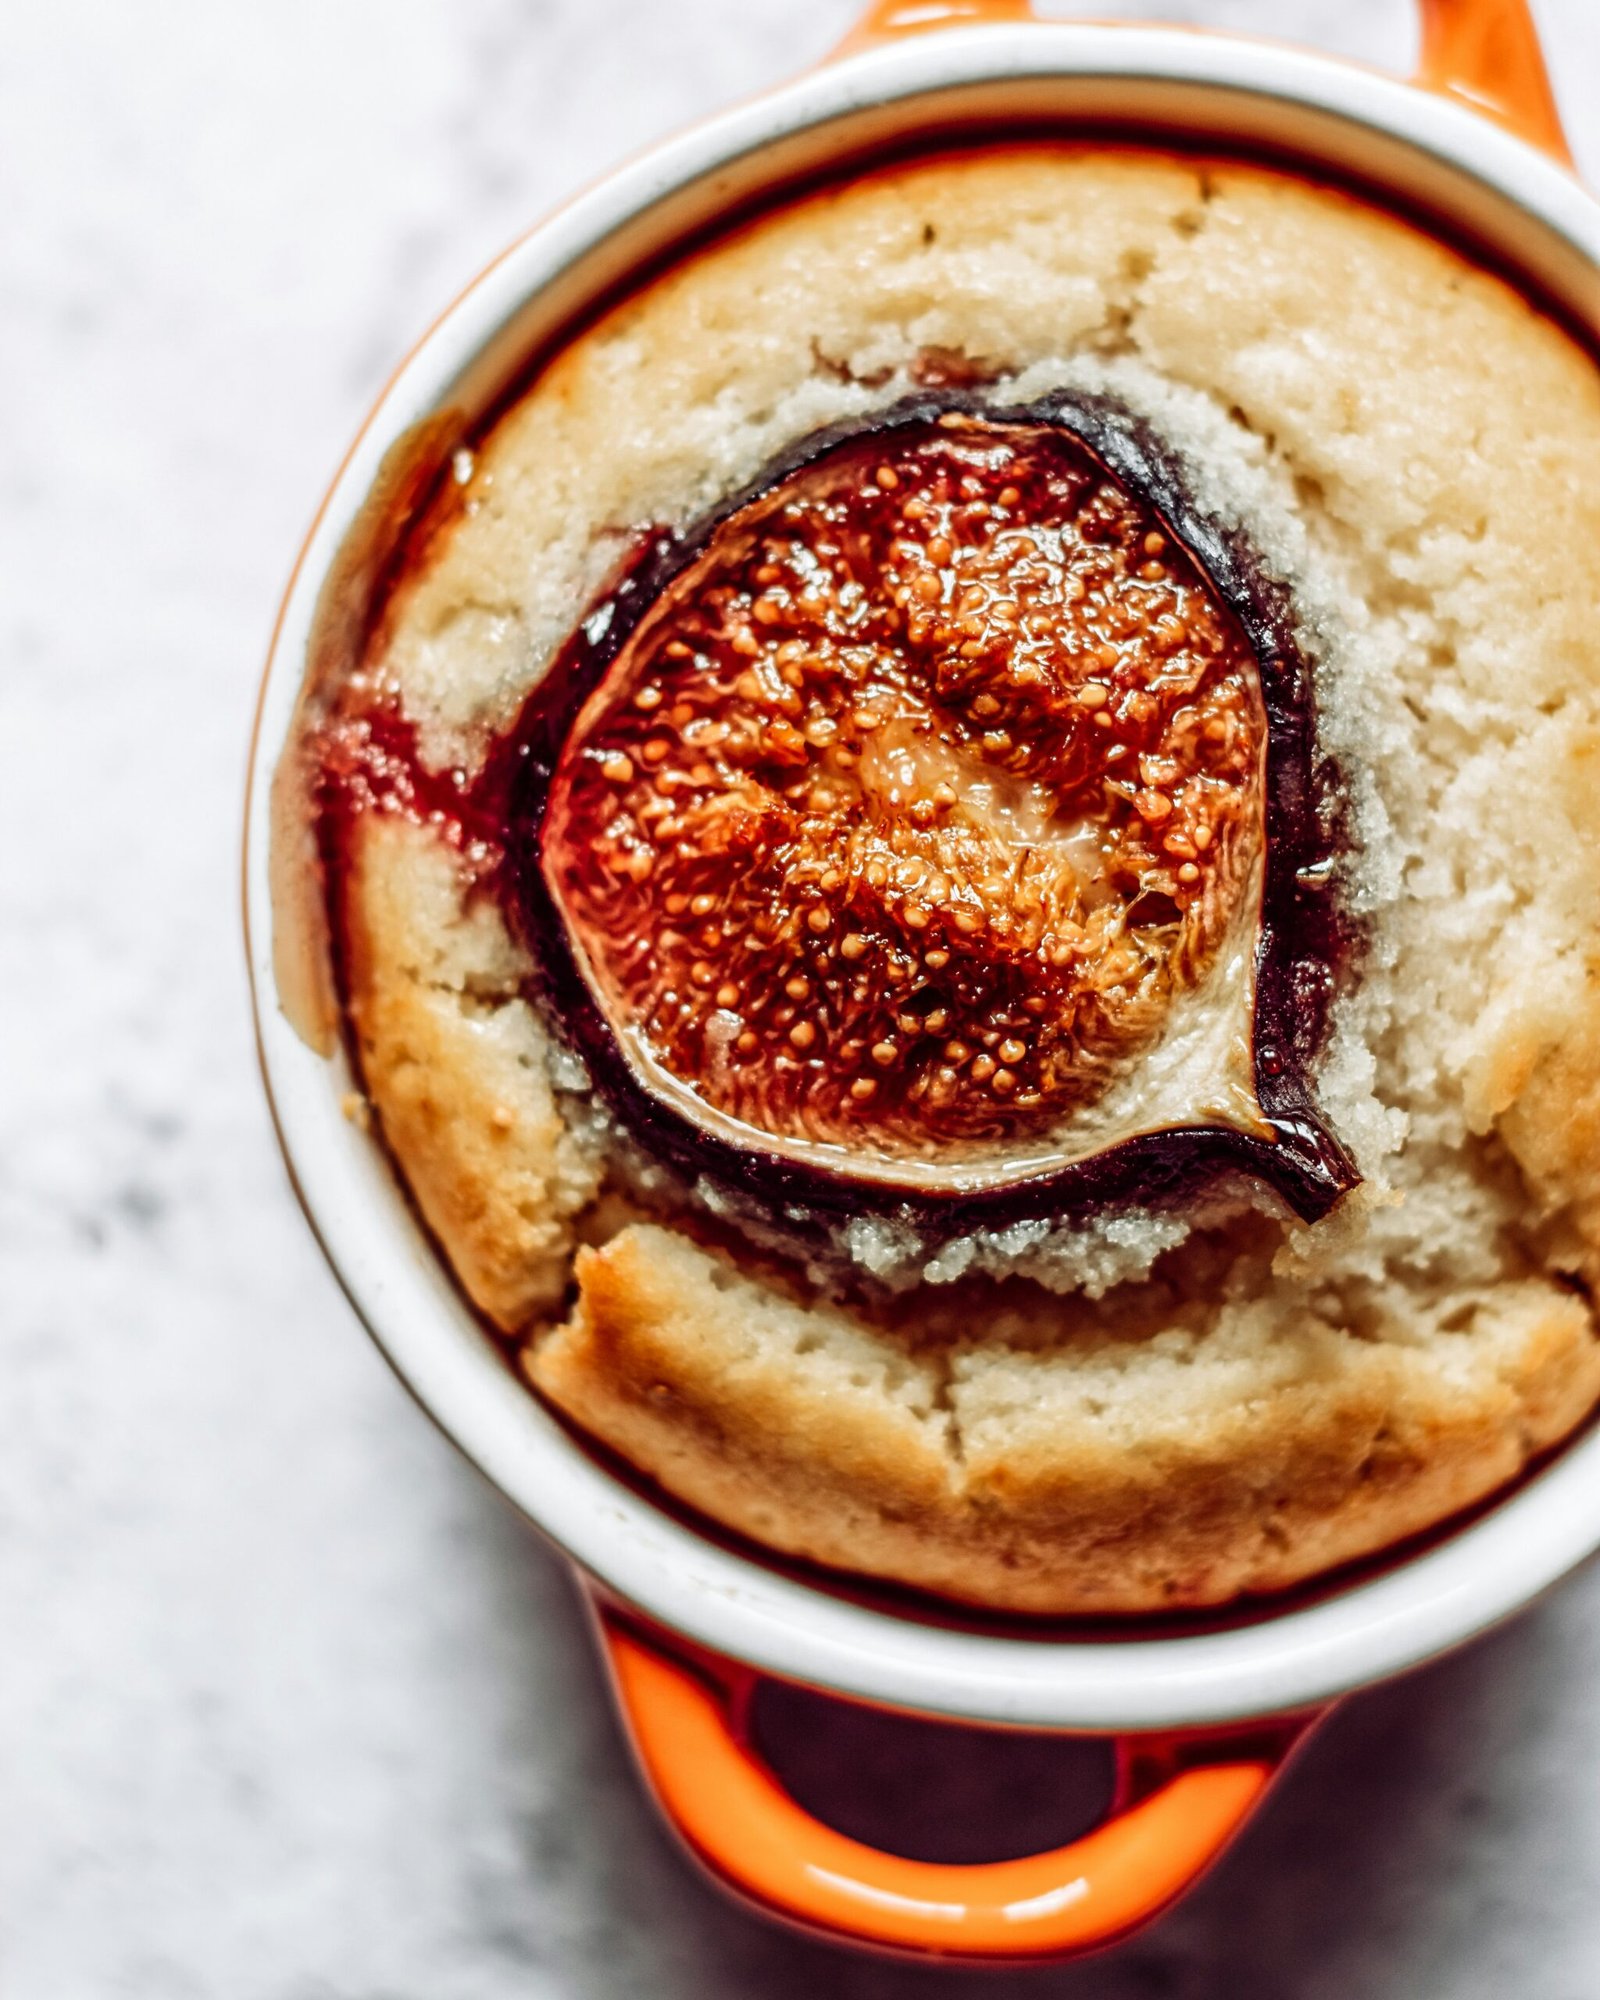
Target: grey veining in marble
[(290, 1707)]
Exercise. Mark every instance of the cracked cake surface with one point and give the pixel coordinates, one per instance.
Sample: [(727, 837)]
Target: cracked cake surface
[(1144, 1405)]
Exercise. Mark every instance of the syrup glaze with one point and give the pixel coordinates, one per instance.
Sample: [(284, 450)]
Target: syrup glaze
[(917, 794)]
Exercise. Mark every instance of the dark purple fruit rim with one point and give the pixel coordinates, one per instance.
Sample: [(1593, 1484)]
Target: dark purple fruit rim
[(1307, 947)]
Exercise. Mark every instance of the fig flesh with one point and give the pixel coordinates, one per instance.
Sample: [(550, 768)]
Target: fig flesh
[(939, 829)]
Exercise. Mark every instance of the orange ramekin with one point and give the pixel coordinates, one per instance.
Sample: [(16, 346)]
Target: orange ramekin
[(1203, 1716)]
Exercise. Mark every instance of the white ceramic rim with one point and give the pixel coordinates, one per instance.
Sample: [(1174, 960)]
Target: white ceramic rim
[(723, 1600)]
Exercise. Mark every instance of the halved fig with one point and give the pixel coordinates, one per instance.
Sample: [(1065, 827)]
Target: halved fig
[(937, 827)]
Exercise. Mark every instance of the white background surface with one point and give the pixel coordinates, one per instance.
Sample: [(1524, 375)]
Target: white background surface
[(290, 1707)]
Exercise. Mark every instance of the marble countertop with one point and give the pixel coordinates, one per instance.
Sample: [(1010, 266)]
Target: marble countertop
[(290, 1707)]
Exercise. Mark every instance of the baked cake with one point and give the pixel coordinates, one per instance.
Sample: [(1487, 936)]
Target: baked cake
[(960, 859)]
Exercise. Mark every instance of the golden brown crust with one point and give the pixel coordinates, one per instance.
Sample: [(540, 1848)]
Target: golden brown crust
[(457, 1067), (992, 1477)]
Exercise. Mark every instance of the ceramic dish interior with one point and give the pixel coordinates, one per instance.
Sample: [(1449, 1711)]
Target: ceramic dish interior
[(1436, 158)]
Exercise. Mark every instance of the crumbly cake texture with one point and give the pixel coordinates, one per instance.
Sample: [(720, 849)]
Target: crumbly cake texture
[(1154, 1412)]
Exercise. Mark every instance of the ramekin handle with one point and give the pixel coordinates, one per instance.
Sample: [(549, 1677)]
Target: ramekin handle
[(883, 20), (1180, 1799), (1488, 52)]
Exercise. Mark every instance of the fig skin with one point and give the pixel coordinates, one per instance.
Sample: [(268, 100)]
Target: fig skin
[(908, 813), (1306, 945)]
